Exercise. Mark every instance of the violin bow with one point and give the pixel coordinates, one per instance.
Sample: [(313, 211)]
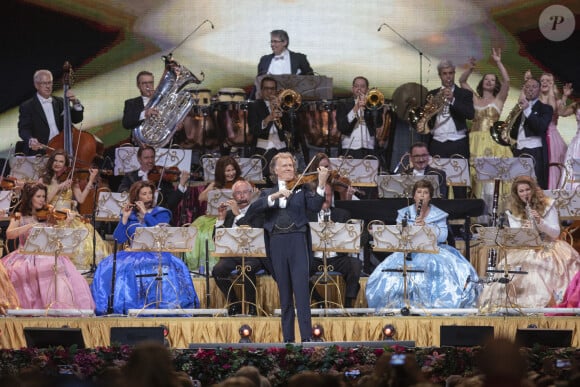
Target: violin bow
[(302, 174)]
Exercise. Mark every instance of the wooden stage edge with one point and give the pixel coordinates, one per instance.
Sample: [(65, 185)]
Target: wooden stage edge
[(423, 330)]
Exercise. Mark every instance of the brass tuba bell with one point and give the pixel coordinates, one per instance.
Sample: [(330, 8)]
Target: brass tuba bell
[(171, 101)]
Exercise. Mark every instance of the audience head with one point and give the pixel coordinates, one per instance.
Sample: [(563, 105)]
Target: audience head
[(279, 41), (145, 83), (150, 365), (33, 198), (251, 373), (282, 167), (501, 361)]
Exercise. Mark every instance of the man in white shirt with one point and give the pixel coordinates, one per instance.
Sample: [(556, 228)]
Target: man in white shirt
[(41, 117), (530, 129), (282, 60)]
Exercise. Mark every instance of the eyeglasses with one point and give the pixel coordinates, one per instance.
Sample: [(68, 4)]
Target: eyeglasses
[(420, 156), (268, 88), (146, 83), (275, 41), (240, 193), (48, 83)]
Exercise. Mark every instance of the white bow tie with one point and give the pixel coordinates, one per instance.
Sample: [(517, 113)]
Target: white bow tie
[(46, 100), (141, 173), (279, 57)]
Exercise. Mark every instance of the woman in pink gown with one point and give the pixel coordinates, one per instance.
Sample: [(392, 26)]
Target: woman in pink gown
[(41, 281), (573, 151), (556, 145)]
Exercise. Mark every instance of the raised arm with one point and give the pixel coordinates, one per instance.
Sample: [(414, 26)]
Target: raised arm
[(564, 110), (463, 78), (505, 78)]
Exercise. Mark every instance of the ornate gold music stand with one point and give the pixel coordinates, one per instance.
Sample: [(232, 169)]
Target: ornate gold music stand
[(54, 241), (401, 186), (158, 239), (244, 242), (407, 240), (327, 237), (504, 239)]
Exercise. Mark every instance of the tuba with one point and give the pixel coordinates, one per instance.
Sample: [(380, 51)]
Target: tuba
[(171, 101), (419, 117), (500, 131)]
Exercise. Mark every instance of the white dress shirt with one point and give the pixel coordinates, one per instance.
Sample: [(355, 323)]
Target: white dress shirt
[(280, 64)]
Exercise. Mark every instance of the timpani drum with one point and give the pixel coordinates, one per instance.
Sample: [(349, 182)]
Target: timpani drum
[(231, 94), (201, 97), (317, 120)]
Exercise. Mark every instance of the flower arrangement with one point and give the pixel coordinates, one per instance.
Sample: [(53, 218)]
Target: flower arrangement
[(277, 364)]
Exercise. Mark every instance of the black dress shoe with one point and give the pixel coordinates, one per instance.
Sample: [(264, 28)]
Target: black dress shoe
[(252, 310), (234, 310)]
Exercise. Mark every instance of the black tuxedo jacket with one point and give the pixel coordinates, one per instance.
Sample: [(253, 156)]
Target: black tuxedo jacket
[(429, 170), (373, 118), (32, 122), (252, 220), (461, 110), (536, 124), (170, 196), (131, 112), (298, 61), (257, 111)]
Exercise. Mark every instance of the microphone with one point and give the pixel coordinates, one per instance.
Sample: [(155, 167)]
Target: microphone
[(467, 281), (381, 26), (405, 221), (210, 23)]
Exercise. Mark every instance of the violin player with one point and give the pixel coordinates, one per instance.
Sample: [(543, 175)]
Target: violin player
[(170, 196), (41, 117)]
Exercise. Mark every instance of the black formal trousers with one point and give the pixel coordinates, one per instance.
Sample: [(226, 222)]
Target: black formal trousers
[(540, 164)]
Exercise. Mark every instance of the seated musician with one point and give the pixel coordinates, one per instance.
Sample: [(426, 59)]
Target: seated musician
[(42, 117), (34, 277), (63, 193), (135, 273), (170, 196), (419, 166), (549, 269), (232, 214), (442, 284), (341, 186)]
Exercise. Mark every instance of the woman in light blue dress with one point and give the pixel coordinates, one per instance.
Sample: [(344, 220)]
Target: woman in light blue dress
[(448, 279), (136, 272)]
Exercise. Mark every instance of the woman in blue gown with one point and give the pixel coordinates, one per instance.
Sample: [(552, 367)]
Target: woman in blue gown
[(448, 280), (136, 286)]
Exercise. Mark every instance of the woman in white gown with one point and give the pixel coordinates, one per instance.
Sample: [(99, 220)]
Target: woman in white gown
[(573, 151)]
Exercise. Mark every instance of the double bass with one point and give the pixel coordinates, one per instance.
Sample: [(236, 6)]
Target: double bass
[(83, 147)]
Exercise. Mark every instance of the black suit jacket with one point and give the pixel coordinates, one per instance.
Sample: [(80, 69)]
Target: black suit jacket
[(252, 220), (32, 122), (131, 112), (373, 118), (170, 196), (429, 170), (536, 124), (461, 110), (298, 61), (257, 111)]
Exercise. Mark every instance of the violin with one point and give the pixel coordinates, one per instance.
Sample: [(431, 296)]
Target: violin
[(342, 183), (51, 215), (169, 174), (43, 213), (8, 183), (306, 178)]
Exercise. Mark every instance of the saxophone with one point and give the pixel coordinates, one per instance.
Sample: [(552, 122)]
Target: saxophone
[(500, 131), (419, 117)]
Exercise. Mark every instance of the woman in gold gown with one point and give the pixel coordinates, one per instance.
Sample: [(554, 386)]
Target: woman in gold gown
[(64, 194), (549, 269)]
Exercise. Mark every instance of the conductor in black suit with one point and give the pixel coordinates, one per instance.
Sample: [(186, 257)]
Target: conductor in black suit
[(449, 126), (42, 117), (419, 166), (282, 60), (134, 111), (530, 129), (232, 214), (170, 195)]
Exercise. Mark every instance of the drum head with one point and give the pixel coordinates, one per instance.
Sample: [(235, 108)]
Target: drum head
[(231, 94), (201, 97)]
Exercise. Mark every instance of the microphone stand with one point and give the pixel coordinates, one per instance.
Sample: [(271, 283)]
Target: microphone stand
[(111, 299), (421, 55)]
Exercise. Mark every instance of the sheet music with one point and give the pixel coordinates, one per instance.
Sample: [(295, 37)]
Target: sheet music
[(163, 238), (401, 186), (336, 237), (409, 239), (361, 172), (51, 240), (490, 168), (239, 241)]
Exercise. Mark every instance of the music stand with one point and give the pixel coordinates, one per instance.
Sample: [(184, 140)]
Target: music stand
[(567, 202), (241, 242), (109, 205), (55, 241), (407, 240), (362, 172), (401, 186), (504, 239), (252, 167), (215, 197), (328, 236), (28, 168), (160, 239)]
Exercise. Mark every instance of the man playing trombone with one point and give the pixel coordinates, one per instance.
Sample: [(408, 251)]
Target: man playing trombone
[(358, 118)]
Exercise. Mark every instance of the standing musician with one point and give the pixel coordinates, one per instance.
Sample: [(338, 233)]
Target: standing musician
[(287, 237), (267, 121), (41, 117), (358, 124), (530, 129), (449, 126), (282, 60), (170, 197)]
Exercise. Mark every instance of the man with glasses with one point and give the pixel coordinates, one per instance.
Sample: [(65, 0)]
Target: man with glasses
[(282, 60), (41, 117), (134, 112), (419, 166), (232, 214)]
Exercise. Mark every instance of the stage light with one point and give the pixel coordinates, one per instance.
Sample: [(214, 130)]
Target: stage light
[(389, 332), (532, 326), (245, 334), (317, 333)]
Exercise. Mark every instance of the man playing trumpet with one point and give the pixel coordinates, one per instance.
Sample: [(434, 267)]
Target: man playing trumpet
[(449, 126), (358, 124)]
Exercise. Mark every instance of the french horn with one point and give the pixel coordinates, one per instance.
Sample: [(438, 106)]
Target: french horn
[(500, 131), (419, 117), (172, 103)]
